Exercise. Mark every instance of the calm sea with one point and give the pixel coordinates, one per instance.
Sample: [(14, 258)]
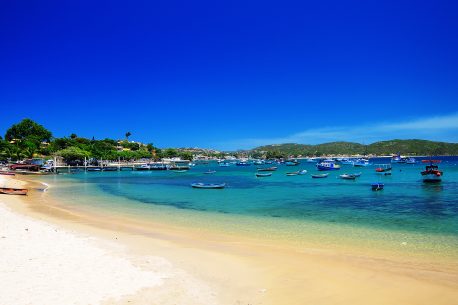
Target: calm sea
[(428, 213)]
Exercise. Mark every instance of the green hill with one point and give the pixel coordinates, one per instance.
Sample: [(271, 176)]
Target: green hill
[(405, 147)]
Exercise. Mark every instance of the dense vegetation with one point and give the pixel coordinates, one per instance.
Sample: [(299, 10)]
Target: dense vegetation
[(405, 147), (29, 139)]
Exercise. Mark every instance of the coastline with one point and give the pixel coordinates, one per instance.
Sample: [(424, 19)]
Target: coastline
[(240, 270)]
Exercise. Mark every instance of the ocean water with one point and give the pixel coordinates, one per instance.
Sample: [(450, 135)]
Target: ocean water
[(297, 205)]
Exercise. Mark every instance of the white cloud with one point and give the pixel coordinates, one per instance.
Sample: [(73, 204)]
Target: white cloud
[(438, 128)]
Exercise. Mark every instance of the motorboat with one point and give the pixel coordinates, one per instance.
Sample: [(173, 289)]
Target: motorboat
[(377, 186), (348, 177), (432, 172), (320, 175), (200, 185), (260, 175), (267, 169), (327, 166)]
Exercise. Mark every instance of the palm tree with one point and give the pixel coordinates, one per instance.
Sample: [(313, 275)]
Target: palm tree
[(128, 134)]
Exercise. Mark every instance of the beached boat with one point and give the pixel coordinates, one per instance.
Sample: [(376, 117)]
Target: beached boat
[(208, 185), (327, 166), (377, 186), (432, 172), (267, 169), (320, 175), (302, 172), (263, 174), (209, 172), (348, 177), (7, 173), (13, 191)]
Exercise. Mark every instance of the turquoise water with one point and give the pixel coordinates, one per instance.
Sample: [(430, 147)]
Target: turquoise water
[(405, 205)]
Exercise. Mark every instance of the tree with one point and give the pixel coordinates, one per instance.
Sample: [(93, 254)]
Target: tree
[(28, 129), (73, 153), (128, 134), (73, 136)]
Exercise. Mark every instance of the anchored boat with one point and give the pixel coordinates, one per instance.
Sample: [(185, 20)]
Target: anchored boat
[(348, 177), (263, 174), (327, 166), (200, 185), (320, 175), (302, 172), (377, 186), (268, 169), (432, 172)]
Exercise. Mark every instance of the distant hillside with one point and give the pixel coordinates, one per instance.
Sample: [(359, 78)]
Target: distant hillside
[(405, 147)]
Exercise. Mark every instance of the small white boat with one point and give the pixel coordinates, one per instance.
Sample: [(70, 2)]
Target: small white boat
[(348, 177), (302, 172), (263, 175), (209, 172), (210, 186)]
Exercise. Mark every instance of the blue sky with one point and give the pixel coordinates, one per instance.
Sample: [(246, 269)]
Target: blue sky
[(233, 74)]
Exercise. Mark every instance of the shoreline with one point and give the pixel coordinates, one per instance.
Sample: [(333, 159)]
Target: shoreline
[(247, 271)]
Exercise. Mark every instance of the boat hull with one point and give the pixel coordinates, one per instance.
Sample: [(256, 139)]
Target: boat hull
[(208, 186), (13, 191)]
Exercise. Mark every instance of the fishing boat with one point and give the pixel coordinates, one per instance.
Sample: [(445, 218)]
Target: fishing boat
[(208, 186), (267, 169), (377, 186), (320, 175), (327, 166), (13, 191), (398, 159), (432, 172), (361, 163), (302, 172), (263, 174), (348, 177), (411, 160), (382, 168), (209, 172)]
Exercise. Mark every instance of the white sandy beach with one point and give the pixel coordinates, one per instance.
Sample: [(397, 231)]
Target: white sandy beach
[(53, 256), (41, 263)]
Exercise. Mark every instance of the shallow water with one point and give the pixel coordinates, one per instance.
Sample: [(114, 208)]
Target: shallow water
[(295, 205)]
